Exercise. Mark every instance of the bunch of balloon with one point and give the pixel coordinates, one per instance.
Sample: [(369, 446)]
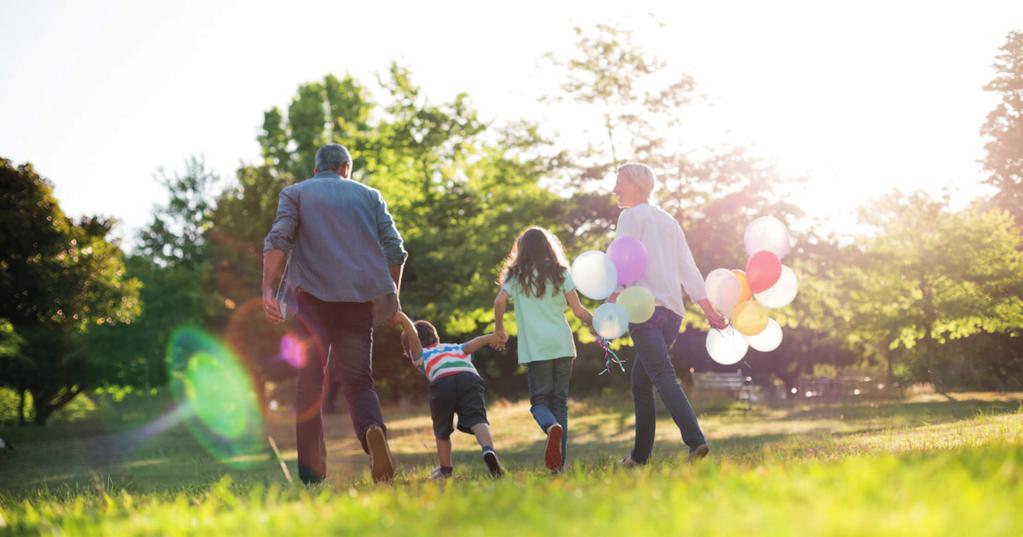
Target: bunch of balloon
[(598, 274), (745, 296)]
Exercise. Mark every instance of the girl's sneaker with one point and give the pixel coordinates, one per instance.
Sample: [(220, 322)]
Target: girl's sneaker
[(552, 455), (493, 464)]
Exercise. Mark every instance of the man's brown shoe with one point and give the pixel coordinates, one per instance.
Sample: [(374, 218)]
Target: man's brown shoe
[(381, 463)]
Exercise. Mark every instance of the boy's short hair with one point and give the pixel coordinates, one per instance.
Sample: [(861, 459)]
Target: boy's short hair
[(427, 333)]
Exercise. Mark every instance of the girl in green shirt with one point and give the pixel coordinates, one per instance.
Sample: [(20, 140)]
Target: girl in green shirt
[(536, 278)]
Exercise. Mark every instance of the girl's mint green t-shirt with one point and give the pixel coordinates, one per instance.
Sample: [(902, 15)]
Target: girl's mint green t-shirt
[(544, 333)]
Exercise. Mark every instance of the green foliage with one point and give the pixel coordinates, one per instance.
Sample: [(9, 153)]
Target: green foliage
[(459, 191), (930, 275), (714, 193), (174, 264), (63, 278)]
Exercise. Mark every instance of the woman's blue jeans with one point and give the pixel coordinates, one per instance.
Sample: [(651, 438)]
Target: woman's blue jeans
[(652, 368)]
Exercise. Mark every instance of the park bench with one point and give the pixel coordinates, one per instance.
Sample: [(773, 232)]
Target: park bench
[(735, 383)]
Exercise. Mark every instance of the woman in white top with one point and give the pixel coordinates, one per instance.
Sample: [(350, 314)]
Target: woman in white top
[(670, 267)]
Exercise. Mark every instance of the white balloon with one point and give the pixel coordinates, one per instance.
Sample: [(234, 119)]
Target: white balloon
[(767, 233), (723, 290), (727, 346), (769, 339), (594, 274), (610, 320), (782, 293)]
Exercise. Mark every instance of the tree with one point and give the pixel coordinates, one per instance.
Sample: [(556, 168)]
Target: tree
[(931, 275), (60, 279), (459, 190), (173, 262), (1004, 128), (713, 193), (641, 104), (177, 234)]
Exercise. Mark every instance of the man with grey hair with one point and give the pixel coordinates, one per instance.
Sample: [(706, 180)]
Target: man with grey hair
[(343, 276), (670, 268)]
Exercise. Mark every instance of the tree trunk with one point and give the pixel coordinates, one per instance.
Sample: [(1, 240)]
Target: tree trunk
[(45, 406), (931, 344), (21, 406)]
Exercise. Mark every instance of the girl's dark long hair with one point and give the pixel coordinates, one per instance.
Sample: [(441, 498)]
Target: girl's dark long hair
[(535, 261)]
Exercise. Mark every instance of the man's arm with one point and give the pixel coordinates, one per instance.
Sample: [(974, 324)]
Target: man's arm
[(396, 272), (390, 241), (410, 340), (393, 247), (277, 243), (272, 261)]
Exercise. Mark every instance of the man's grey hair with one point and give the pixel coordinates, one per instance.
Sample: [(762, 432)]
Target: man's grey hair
[(640, 175), (332, 157)]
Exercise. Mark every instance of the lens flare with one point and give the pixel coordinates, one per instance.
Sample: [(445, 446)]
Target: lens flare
[(293, 351), (223, 410), (216, 395)]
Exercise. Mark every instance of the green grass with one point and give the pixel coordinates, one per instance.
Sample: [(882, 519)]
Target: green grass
[(924, 466)]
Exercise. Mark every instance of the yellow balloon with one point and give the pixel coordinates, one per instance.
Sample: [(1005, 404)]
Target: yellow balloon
[(638, 303), (749, 318), (745, 293)]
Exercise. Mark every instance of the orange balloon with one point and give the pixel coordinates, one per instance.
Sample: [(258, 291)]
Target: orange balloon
[(745, 293)]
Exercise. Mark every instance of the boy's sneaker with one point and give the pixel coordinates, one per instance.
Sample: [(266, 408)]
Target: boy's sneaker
[(381, 463), (698, 453), (493, 464), (627, 462), (441, 472), (552, 455)]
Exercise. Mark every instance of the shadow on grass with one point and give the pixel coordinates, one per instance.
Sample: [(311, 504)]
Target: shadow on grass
[(905, 412)]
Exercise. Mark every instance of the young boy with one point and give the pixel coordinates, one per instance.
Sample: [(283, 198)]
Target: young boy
[(455, 387)]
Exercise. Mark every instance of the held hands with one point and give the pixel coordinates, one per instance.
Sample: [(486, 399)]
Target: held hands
[(271, 309), (396, 321), (407, 350), (502, 340)]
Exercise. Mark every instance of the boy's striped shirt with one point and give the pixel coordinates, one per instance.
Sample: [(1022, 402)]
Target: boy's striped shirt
[(446, 359)]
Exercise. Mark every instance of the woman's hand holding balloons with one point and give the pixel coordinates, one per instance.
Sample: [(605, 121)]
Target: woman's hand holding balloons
[(715, 318)]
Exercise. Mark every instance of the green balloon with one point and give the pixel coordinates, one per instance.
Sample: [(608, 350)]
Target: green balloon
[(638, 303)]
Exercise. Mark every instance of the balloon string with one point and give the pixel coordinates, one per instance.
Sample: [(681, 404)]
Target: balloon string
[(610, 357)]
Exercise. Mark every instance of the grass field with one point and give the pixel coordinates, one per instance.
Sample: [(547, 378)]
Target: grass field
[(922, 466)]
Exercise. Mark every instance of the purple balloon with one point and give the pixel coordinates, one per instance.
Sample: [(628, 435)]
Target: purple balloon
[(629, 256)]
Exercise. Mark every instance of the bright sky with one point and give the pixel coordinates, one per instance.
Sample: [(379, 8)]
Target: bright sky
[(862, 96)]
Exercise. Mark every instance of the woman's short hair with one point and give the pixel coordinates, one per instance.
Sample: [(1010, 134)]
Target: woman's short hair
[(640, 174)]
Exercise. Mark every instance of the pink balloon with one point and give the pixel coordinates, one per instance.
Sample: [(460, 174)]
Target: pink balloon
[(762, 270), (629, 256)]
